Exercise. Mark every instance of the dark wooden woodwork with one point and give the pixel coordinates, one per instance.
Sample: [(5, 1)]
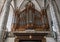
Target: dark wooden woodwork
[(43, 26), (19, 38), (30, 19)]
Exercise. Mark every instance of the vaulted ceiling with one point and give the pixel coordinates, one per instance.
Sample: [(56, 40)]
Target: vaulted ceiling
[(21, 3)]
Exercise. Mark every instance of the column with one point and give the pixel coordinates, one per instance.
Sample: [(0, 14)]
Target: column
[(5, 18), (54, 19)]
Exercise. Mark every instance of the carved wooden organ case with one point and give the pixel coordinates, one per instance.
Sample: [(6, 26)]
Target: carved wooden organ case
[(30, 18)]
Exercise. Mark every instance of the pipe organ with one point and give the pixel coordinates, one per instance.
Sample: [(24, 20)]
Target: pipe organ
[(30, 18), (30, 24)]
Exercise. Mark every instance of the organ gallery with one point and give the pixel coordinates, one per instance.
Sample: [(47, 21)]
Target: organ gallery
[(29, 21)]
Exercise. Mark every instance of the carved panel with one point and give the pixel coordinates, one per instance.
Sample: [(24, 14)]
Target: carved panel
[(19, 38)]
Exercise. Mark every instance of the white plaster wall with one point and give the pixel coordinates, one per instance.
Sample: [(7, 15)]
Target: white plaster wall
[(50, 39), (10, 39)]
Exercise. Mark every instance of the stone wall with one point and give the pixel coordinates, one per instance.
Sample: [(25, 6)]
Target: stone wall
[(10, 39), (50, 39)]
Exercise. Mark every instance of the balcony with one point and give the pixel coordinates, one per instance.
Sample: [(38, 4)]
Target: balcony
[(31, 32)]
